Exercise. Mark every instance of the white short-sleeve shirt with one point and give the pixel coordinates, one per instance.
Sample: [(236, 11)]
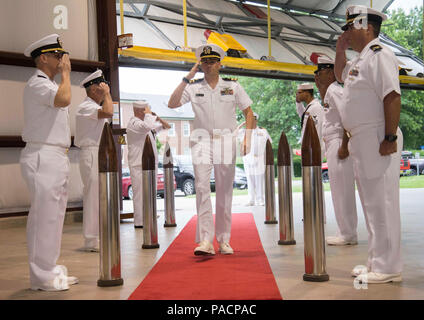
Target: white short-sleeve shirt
[(137, 131), (88, 126), (332, 125), (367, 80), (43, 122), (215, 108)]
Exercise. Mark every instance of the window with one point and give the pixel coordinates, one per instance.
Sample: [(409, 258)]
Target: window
[(187, 151), (171, 131), (186, 129)]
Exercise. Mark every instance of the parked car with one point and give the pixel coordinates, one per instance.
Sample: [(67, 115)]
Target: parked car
[(184, 174), (405, 167), (416, 164), (240, 179), (127, 191)]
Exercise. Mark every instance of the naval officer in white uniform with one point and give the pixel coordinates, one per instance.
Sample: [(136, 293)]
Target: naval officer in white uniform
[(144, 123), (91, 116), (213, 143), (340, 165), (254, 163), (44, 161), (308, 106), (370, 114)]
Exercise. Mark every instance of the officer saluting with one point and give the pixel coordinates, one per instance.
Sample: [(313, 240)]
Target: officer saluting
[(144, 123), (340, 165), (213, 143), (44, 161), (370, 114), (91, 116)]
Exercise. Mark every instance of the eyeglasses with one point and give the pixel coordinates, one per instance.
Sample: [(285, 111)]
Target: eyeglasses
[(209, 60), (57, 55)]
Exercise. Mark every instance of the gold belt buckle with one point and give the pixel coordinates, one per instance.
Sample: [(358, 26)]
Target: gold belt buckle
[(349, 135), (216, 136), (66, 150)]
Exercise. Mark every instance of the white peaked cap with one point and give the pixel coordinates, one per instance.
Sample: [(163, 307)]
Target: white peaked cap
[(51, 43), (210, 50), (325, 60), (305, 86), (360, 9), (94, 75), (142, 104)]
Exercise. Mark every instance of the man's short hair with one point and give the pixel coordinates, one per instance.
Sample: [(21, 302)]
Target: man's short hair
[(376, 27)]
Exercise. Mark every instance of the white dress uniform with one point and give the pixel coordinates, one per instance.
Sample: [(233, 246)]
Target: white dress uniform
[(367, 80), (342, 180), (213, 144), (314, 110), (254, 165), (87, 137), (45, 168), (137, 131)]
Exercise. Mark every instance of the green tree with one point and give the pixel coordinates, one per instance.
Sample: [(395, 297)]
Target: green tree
[(407, 30), (274, 102)]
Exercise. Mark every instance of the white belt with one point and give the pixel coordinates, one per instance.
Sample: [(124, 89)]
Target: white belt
[(47, 146), (330, 137), (362, 128)]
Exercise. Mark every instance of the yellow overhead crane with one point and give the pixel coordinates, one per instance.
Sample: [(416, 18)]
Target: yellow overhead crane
[(227, 42)]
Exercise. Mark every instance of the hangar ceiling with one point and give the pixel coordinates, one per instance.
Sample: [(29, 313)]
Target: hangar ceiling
[(298, 28)]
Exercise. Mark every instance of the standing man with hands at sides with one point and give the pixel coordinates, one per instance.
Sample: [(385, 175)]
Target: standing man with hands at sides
[(340, 165), (44, 161), (144, 123), (91, 116), (370, 114), (213, 143), (308, 106)]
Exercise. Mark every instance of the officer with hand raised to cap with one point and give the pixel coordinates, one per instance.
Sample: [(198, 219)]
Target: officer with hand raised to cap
[(44, 161), (213, 143), (91, 116)]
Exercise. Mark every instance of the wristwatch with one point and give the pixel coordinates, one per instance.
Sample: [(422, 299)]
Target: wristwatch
[(390, 137), (186, 80)]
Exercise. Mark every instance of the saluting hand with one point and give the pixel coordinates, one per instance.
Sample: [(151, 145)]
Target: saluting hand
[(65, 64), (193, 71), (342, 42)]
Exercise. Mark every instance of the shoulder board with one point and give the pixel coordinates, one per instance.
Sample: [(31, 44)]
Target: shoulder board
[(196, 80), (229, 79), (40, 76), (376, 48)]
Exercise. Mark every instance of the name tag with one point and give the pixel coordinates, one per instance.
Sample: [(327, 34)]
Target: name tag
[(227, 91), (200, 94)]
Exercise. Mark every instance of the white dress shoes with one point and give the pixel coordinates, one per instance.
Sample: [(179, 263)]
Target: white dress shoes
[(358, 270), (225, 248), (375, 277), (340, 241), (204, 248)]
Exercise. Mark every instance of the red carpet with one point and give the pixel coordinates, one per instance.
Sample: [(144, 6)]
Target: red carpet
[(180, 275)]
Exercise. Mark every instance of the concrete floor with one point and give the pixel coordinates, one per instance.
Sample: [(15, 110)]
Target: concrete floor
[(287, 262)]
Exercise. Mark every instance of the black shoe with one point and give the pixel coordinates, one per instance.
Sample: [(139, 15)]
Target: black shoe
[(138, 226)]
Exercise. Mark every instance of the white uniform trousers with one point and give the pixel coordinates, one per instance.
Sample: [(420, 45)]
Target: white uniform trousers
[(380, 202), (223, 163), (255, 174), (136, 184), (89, 169), (342, 186), (45, 169)]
